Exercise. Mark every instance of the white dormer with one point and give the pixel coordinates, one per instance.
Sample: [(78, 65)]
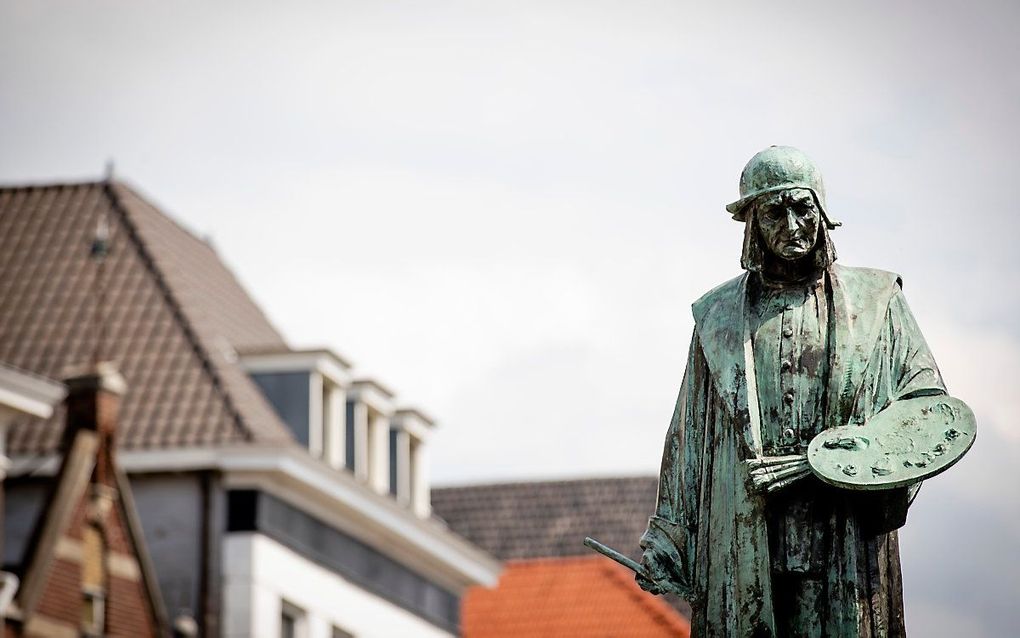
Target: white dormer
[(352, 425), (369, 409), (409, 478), (308, 389)]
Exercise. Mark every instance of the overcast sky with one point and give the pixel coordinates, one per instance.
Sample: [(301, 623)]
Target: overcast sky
[(503, 210)]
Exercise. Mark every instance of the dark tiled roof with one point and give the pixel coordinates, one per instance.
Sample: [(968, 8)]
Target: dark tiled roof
[(174, 316), (549, 518)]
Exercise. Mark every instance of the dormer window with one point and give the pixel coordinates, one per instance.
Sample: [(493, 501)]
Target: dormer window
[(307, 388), (409, 434), (398, 465), (350, 436), (351, 425), (333, 417), (371, 406)]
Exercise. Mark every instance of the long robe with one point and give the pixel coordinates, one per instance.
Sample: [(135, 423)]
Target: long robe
[(718, 523)]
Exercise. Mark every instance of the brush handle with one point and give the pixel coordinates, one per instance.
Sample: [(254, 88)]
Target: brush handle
[(611, 553)]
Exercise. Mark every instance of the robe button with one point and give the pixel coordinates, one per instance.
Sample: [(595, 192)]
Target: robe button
[(788, 396), (787, 332), (788, 434), (785, 366)]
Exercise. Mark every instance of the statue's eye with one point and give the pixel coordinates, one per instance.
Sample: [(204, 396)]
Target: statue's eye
[(804, 209)]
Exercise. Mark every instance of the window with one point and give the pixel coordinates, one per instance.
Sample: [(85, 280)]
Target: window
[(93, 612), (292, 621), (328, 435), (417, 479), (288, 625), (350, 443), (93, 582), (340, 633), (394, 461)]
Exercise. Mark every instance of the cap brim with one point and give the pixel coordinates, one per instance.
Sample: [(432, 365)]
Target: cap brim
[(738, 208)]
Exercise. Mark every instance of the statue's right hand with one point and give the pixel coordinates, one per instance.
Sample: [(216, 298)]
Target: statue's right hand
[(648, 585), (663, 566), (658, 568)]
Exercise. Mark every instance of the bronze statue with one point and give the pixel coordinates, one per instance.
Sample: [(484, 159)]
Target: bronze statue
[(810, 411)]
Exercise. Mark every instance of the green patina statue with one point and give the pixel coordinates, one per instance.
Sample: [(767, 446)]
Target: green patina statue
[(810, 411)]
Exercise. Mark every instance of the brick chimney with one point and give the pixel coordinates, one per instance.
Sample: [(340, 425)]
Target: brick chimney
[(93, 401)]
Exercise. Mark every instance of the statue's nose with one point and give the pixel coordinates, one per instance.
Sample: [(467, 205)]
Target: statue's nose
[(791, 221)]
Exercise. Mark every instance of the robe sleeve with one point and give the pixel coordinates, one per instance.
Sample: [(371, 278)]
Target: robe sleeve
[(901, 365), (672, 530), (913, 369)]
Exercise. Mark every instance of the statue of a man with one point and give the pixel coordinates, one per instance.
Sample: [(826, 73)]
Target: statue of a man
[(793, 347)]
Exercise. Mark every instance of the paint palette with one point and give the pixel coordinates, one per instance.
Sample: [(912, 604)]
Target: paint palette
[(907, 442)]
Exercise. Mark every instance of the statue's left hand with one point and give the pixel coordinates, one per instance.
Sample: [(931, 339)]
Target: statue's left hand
[(770, 473)]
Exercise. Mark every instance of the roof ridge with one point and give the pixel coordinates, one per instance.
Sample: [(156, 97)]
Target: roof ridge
[(194, 235), (176, 308)]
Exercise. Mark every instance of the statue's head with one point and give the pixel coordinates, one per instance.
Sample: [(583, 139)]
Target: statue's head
[(782, 204)]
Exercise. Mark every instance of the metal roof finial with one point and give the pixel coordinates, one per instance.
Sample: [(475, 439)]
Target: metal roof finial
[(98, 252)]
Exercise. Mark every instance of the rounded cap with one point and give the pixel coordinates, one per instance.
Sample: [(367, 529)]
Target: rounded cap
[(779, 168)]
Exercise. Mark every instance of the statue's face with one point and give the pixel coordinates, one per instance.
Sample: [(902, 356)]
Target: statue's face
[(788, 222)]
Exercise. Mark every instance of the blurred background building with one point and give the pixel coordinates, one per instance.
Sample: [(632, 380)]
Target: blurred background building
[(553, 585), (261, 490), (279, 494)]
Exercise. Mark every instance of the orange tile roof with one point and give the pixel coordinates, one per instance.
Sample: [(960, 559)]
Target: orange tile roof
[(568, 597)]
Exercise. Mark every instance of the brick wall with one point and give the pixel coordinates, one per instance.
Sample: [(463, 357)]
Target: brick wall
[(61, 599), (127, 612)]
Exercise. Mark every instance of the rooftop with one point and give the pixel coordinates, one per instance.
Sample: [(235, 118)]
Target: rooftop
[(541, 519), (568, 597), (174, 317)]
